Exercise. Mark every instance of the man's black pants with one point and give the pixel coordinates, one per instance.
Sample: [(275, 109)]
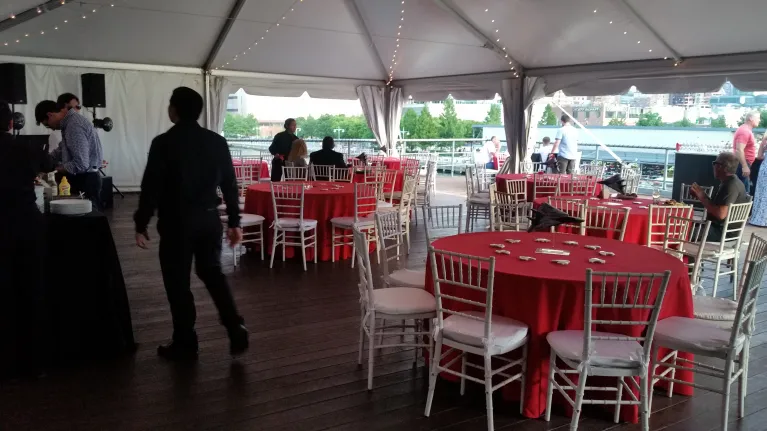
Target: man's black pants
[(89, 184), (197, 236)]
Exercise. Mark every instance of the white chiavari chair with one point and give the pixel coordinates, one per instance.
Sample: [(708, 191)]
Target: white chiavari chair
[(342, 175), (397, 304), (288, 207), (424, 183), (442, 221), (686, 197), (357, 163), (727, 250), (592, 170), (477, 204), (508, 211), (466, 326), (389, 180), (236, 154), (365, 206), (517, 188), (685, 239), (705, 338), (589, 352), (394, 248), (321, 172), (612, 221), (545, 185), (249, 235), (631, 180), (525, 167), (295, 173), (656, 221), (574, 208), (403, 206), (577, 185)]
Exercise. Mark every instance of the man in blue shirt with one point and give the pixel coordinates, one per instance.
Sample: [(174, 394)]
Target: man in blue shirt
[(566, 145), (80, 152)]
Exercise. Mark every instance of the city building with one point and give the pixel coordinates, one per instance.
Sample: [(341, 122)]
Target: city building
[(237, 103)]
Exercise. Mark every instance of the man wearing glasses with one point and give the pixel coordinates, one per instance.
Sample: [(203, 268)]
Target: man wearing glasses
[(72, 102), (731, 191), (80, 150)]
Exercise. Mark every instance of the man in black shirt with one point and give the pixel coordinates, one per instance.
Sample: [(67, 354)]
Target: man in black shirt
[(326, 156), (280, 148), (186, 165), (731, 191)]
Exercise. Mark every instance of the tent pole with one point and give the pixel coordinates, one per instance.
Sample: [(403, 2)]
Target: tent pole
[(206, 89), (29, 14), (651, 29), (223, 34), (356, 12)]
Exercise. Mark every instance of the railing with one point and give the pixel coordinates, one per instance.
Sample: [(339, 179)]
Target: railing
[(350, 147)]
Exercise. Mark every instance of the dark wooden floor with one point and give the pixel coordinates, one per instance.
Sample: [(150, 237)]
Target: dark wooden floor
[(301, 373)]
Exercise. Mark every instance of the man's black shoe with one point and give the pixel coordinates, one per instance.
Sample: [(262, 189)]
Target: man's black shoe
[(238, 340), (178, 352)]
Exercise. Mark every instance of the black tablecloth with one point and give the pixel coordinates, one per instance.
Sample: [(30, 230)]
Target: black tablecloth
[(89, 314)]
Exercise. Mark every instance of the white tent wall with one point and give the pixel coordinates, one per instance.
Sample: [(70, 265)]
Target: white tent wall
[(137, 101)]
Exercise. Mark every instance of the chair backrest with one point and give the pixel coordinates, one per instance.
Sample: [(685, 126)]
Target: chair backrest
[(236, 154), (685, 239), (295, 173), (577, 185), (545, 185), (757, 249), (608, 219), (517, 188), (390, 240), (471, 185), (593, 170), (479, 177), (374, 173), (389, 179), (365, 200), (411, 166), (442, 218), (525, 166), (574, 208), (257, 163), (502, 159), (244, 175), (656, 221), (508, 212), (341, 175), (462, 281), (631, 180), (357, 163), (743, 326), (734, 225), (685, 196), (363, 267), (636, 296), (288, 201), (407, 198), (321, 172)]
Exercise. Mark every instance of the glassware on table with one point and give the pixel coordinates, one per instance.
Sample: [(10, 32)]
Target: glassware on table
[(655, 195)]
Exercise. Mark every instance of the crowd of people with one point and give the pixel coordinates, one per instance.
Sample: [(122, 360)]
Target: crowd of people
[(289, 150)]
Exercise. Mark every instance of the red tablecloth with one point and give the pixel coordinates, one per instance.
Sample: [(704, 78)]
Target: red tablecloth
[(548, 297), (320, 205), (500, 181), (392, 163), (638, 222), (264, 167)]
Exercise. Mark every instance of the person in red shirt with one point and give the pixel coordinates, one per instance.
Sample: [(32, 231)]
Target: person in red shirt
[(744, 148)]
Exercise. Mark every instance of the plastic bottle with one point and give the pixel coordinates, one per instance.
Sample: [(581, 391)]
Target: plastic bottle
[(64, 188)]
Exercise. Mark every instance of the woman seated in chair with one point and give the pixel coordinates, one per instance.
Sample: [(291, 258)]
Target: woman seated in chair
[(298, 153)]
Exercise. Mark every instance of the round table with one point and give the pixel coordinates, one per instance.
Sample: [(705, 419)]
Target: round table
[(500, 181), (636, 226), (549, 297), (320, 204), (390, 163), (264, 167)]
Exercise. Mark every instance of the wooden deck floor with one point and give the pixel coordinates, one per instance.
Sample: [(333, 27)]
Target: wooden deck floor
[(301, 372)]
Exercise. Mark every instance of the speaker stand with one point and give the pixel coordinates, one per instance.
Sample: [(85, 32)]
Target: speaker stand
[(113, 186)]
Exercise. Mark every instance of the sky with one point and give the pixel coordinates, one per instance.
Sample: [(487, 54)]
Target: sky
[(267, 108)]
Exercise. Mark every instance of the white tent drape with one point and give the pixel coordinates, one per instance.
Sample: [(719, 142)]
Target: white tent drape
[(517, 96), (137, 101), (220, 87), (394, 116), (382, 107)]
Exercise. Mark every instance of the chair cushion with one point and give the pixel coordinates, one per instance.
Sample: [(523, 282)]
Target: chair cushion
[(480, 200), (222, 207), (408, 278), (607, 353), (505, 334), (403, 300), (693, 335), (384, 204), (246, 219), (294, 223), (242, 199), (349, 221), (712, 308)]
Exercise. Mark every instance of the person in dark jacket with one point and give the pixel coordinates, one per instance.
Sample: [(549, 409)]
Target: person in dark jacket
[(326, 156), (186, 165), (22, 252), (281, 146)]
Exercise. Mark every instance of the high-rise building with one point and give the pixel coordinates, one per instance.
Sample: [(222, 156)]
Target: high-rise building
[(237, 103)]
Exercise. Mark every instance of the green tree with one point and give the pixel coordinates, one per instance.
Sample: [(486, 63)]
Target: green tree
[(684, 122), (617, 122), (762, 121), (494, 115), (426, 128), (650, 119), (239, 126), (449, 126), (354, 127), (719, 122), (409, 122), (549, 118)]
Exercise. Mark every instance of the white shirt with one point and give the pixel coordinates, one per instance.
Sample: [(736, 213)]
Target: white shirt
[(545, 150), (568, 142), (489, 151), (54, 139)]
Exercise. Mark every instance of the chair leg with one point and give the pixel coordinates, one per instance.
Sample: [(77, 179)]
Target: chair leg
[(579, 399), (362, 335), (644, 411), (463, 372), (717, 268), (651, 372), (354, 251), (523, 380), (436, 352), (303, 248), (726, 389), (274, 247), (261, 242), (284, 240), (489, 392), (735, 277), (333, 245), (742, 381), (468, 217), (673, 375), (371, 350), (618, 397), (550, 385), (316, 250)]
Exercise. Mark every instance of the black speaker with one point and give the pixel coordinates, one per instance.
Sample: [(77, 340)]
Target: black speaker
[(13, 83), (94, 91)]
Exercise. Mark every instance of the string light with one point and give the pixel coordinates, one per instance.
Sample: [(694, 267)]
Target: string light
[(497, 31), (274, 26), (393, 63), (625, 32)]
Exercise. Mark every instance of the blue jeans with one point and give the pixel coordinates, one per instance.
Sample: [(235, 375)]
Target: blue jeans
[(489, 165), (746, 180)]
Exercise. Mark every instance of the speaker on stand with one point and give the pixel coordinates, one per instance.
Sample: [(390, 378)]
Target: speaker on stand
[(13, 90)]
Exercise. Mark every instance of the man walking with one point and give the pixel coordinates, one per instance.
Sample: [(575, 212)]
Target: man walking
[(566, 146), (744, 148), (186, 165)]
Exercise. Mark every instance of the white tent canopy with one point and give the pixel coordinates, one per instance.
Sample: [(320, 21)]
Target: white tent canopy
[(331, 47)]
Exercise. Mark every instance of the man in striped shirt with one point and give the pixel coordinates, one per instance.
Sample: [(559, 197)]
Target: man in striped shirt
[(80, 152)]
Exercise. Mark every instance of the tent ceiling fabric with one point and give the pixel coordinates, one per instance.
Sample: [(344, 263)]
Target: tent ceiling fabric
[(324, 38)]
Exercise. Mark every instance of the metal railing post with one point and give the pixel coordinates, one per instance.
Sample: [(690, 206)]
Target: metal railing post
[(452, 160), (665, 170), (596, 156)]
